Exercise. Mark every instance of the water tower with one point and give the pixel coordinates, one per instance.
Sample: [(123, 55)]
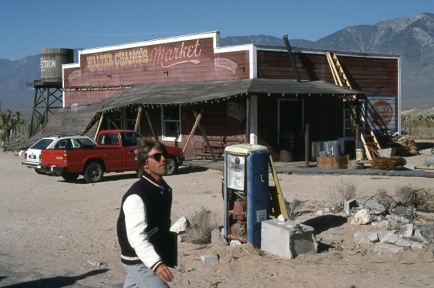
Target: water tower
[(48, 91)]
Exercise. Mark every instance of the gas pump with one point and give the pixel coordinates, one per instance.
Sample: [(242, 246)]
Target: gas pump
[(246, 195)]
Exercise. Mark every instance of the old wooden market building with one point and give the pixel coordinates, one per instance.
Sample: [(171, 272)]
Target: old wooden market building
[(191, 92)]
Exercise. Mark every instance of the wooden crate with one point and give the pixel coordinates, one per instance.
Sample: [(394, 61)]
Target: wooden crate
[(335, 162)]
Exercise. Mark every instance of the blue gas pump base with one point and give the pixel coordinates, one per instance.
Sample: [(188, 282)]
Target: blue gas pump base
[(287, 239)]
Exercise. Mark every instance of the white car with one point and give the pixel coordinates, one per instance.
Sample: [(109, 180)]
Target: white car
[(33, 154)]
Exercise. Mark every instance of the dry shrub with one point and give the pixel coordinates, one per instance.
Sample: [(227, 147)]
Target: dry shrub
[(383, 198), (293, 208), (420, 198), (202, 223), (340, 194)]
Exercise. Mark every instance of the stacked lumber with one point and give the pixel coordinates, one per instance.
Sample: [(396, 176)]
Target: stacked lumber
[(386, 163)]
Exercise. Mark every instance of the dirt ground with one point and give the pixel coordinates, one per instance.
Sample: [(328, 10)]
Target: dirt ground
[(58, 234)]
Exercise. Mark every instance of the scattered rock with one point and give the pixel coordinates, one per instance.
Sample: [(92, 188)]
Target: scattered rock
[(217, 238), (407, 230), (180, 226), (381, 224), (373, 206), (397, 220), (391, 237), (401, 210), (373, 237), (388, 248), (362, 236), (362, 217), (418, 236), (209, 259), (235, 243), (332, 240)]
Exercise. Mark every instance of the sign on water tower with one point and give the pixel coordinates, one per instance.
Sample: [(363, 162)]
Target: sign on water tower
[(51, 63)]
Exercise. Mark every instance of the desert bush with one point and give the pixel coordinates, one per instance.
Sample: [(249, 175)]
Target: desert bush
[(293, 208), (421, 198), (385, 199), (202, 223), (341, 193)]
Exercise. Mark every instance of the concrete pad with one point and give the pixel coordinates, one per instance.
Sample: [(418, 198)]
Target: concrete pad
[(287, 239)]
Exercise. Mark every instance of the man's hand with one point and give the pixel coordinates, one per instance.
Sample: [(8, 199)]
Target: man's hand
[(164, 272)]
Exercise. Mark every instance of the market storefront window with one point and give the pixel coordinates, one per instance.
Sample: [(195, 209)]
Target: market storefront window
[(171, 120)]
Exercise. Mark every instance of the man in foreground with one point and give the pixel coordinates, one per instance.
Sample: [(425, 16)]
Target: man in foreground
[(147, 245)]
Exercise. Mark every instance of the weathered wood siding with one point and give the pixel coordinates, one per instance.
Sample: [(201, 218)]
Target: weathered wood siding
[(368, 74), (186, 61)]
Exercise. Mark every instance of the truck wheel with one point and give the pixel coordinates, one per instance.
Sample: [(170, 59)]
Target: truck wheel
[(172, 166), (69, 177), (93, 172)]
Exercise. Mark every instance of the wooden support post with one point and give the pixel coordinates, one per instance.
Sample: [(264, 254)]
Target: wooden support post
[(150, 124), (99, 126), (205, 138), (196, 123), (139, 115)]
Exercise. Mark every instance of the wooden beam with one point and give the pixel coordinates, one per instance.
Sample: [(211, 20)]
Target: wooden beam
[(99, 126), (139, 115), (196, 123), (150, 124), (205, 138)]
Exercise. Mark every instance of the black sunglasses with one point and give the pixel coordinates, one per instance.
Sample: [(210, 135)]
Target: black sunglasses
[(157, 156)]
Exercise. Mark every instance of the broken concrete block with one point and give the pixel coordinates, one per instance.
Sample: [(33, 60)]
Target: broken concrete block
[(349, 204), (287, 239), (362, 217), (209, 259)]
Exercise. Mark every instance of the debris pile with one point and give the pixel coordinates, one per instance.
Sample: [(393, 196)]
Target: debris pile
[(405, 146)]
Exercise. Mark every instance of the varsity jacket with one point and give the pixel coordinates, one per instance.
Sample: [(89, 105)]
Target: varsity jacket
[(144, 223)]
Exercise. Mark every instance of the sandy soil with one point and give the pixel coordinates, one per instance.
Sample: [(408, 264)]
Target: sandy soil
[(58, 234)]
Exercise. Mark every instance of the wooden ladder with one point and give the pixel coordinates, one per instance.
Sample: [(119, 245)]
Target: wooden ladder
[(337, 71), (370, 142), (371, 145)]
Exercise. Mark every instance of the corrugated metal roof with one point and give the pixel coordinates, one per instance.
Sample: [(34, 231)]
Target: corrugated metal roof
[(198, 92)]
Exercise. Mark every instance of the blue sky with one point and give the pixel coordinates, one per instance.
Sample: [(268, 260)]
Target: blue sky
[(28, 25)]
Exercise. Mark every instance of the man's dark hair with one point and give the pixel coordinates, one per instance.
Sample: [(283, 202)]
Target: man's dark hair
[(144, 146)]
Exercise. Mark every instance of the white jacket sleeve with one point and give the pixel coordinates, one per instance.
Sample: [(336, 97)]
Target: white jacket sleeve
[(136, 223)]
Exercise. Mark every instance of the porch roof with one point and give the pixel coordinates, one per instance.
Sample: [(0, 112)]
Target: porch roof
[(71, 120), (181, 93)]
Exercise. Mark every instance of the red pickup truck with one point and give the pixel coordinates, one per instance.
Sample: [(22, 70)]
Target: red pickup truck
[(115, 151)]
